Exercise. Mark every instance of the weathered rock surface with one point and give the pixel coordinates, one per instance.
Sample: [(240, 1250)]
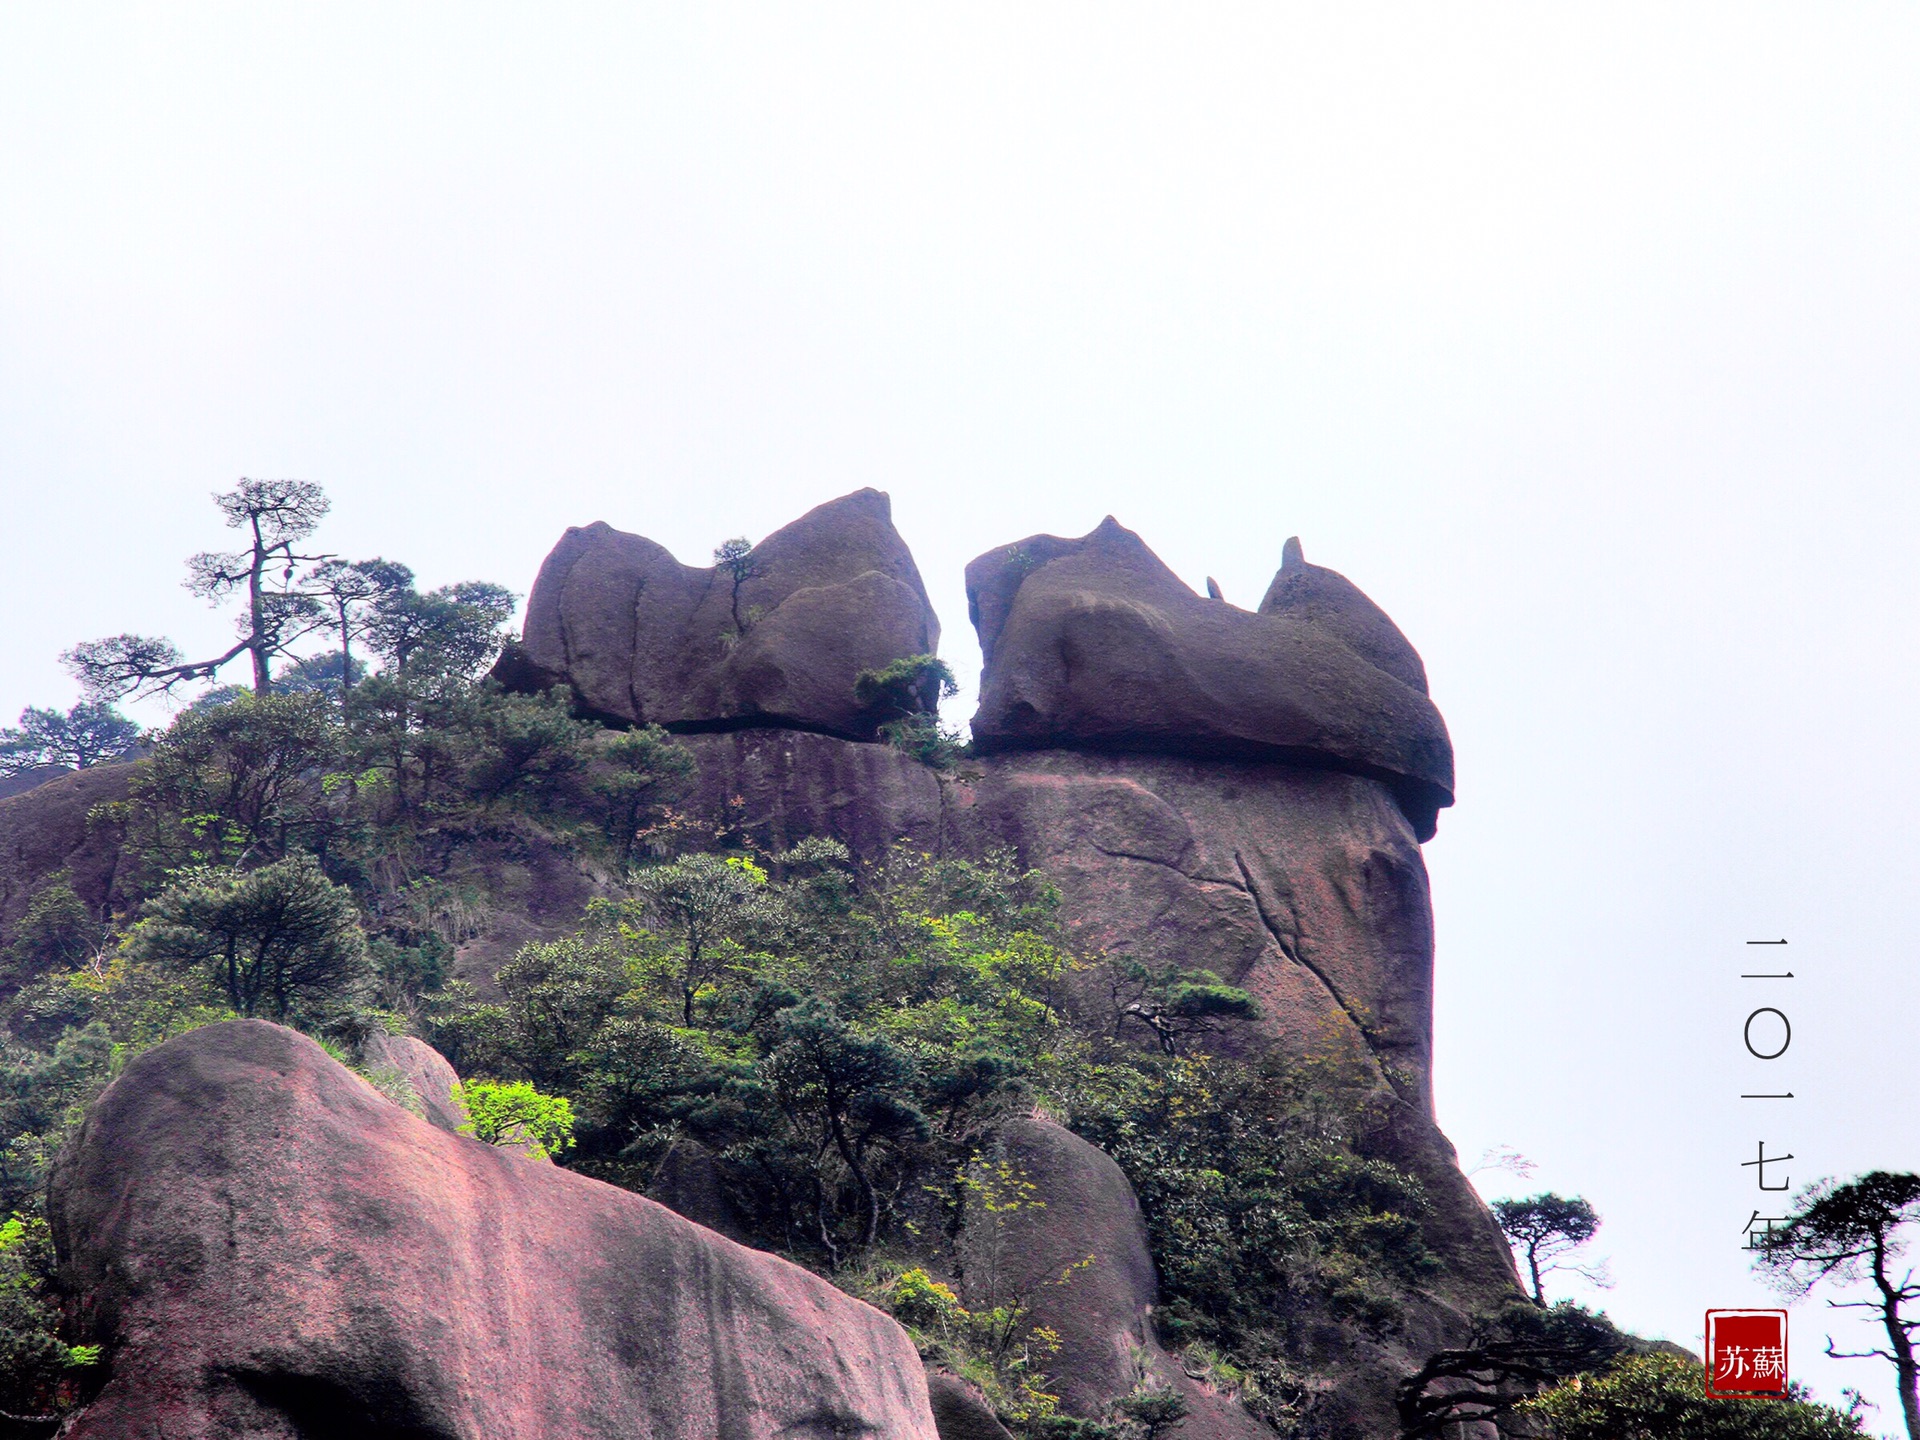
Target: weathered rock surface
[(275, 1251), (1074, 1251), (25, 780), (642, 638), (1093, 643), (44, 830), (429, 1073)]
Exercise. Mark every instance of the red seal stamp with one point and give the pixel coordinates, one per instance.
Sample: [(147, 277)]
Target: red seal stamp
[(1746, 1352)]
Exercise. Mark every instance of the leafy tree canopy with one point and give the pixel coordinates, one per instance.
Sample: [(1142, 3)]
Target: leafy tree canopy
[(446, 633), (1849, 1235), (1544, 1228), (514, 1113), (88, 734), (282, 940)]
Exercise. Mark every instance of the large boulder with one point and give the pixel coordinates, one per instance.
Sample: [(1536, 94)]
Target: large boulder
[(778, 639), (270, 1249), (1066, 1240), (1093, 643)]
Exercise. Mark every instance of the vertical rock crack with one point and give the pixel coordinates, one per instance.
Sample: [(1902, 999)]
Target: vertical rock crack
[(1296, 954)]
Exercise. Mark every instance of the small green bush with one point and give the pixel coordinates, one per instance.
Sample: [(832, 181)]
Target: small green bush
[(907, 686), (514, 1113), (38, 1370), (920, 1300)]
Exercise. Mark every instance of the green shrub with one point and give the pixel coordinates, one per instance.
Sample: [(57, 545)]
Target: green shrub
[(920, 1300), (924, 738), (1662, 1397), (282, 940), (56, 933), (514, 1113), (39, 1372), (911, 685)]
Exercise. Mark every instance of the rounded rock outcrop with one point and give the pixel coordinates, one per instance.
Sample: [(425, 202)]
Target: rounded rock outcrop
[(1067, 1242), (428, 1073), (778, 635), (1093, 643)]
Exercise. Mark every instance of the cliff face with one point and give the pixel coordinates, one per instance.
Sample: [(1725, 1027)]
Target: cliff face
[(1303, 886), (45, 829)]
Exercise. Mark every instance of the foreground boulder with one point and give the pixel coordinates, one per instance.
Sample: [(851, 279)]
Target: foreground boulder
[(270, 1249), (1094, 643), (778, 638)]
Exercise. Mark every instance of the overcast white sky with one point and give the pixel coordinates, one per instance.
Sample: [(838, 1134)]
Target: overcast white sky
[(1583, 338)]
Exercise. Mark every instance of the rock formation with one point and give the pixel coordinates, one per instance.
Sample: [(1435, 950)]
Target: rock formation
[(1301, 884), (1075, 1252), (1094, 644), (274, 1250), (426, 1071), (25, 780), (960, 1411), (777, 637)]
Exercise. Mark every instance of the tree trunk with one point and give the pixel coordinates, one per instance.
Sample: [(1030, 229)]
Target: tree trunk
[(256, 615), (1898, 1339), (346, 652), (870, 1221), (690, 986)]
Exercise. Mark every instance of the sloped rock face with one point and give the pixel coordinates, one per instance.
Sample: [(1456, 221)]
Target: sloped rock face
[(1303, 886), (1074, 1251), (26, 780), (1093, 643), (45, 830), (426, 1071), (274, 1251), (643, 639)]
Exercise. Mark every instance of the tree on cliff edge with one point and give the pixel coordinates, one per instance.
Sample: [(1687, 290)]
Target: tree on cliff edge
[(1851, 1234), (276, 516), (85, 735), (1543, 1228)]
